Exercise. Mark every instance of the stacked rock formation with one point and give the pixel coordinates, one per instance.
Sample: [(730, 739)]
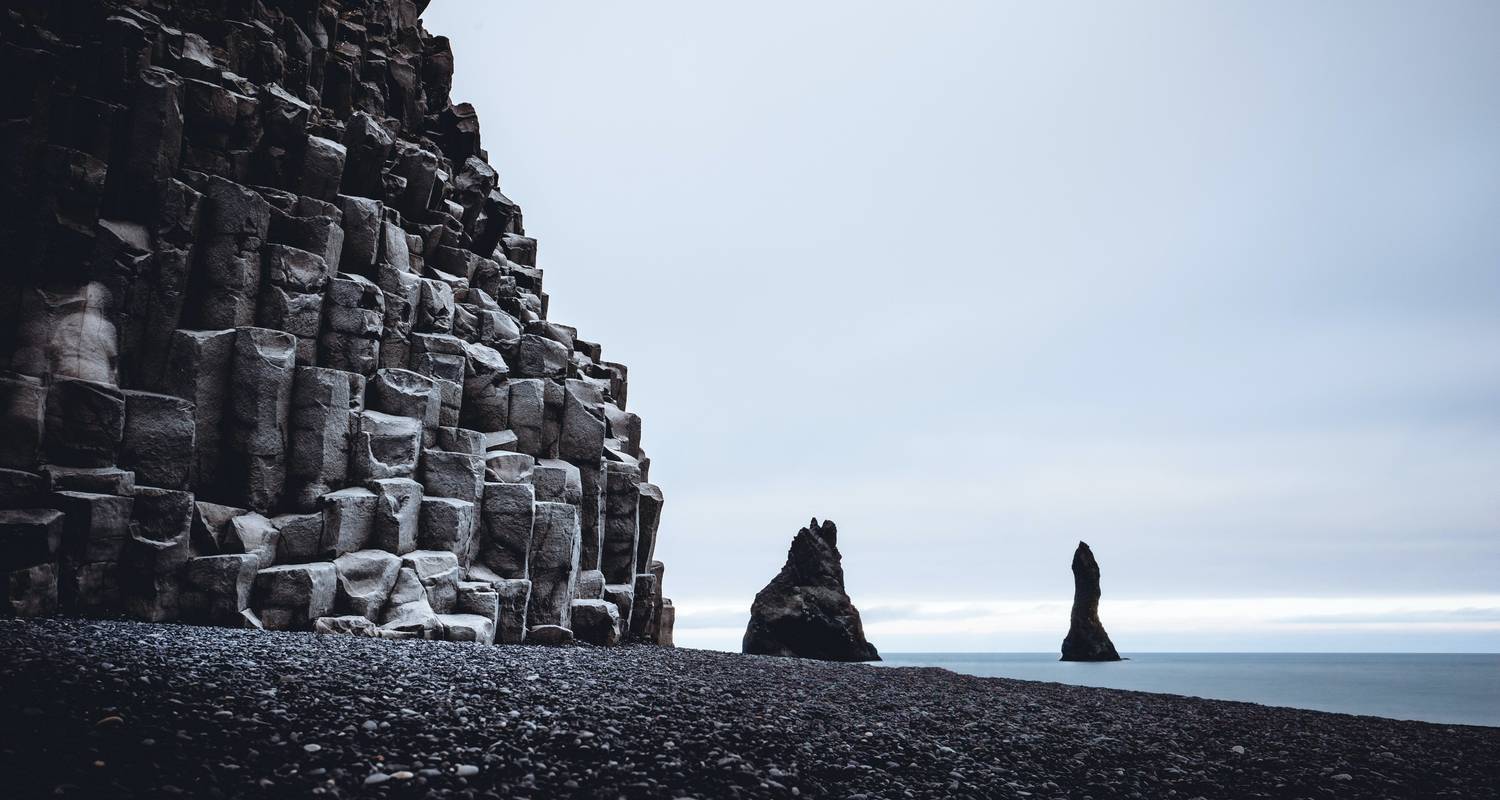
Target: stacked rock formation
[(804, 611), (275, 345), (1086, 639)]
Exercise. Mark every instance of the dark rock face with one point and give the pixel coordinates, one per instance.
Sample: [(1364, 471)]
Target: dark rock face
[(273, 343), (804, 611), (1086, 640)]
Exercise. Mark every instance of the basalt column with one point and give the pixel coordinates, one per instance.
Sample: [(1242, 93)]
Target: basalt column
[(274, 346)]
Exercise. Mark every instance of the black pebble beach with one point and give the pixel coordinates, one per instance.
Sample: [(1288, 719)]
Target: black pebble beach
[(119, 709)]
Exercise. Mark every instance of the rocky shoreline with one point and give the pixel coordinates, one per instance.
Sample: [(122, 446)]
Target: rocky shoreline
[(121, 709)]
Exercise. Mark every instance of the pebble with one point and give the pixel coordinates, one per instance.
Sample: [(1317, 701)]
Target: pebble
[(779, 727)]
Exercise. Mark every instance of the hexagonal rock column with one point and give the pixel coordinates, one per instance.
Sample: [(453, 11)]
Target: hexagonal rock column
[(596, 622), (291, 596), (260, 404), (403, 393), (227, 280), (197, 369), (216, 589), (509, 518), (553, 565), (621, 522), (159, 436), (385, 446), (398, 512), (320, 433), (85, 423)]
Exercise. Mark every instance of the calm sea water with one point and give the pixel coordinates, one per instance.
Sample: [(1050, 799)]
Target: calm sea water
[(1458, 688)]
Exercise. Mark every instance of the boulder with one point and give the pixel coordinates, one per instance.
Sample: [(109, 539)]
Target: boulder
[(1086, 639), (365, 580), (30, 591), (507, 467), (210, 527), (408, 610), (467, 628), (346, 626), (216, 589), (439, 572), (804, 611), (549, 635), (291, 596), (255, 535), (596, 622)]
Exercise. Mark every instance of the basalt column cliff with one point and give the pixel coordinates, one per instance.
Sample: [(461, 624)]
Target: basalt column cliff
[(275, 345)]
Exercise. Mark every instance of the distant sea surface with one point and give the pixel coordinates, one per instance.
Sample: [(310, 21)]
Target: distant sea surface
[(1459, 688)]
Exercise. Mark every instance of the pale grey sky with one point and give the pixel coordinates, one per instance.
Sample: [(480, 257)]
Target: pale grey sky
[(1212, 286)]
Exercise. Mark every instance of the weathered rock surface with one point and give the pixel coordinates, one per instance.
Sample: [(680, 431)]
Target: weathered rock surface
[(1086, 639), (269, 329), (804, 611)]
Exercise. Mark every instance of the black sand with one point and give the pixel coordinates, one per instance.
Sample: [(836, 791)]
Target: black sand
[(113, 709)]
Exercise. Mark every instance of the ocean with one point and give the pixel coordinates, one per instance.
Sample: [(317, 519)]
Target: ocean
[(1453, 688)]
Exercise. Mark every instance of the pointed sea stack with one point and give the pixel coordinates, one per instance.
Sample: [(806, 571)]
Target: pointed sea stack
[(804, 611), (1086, 640)]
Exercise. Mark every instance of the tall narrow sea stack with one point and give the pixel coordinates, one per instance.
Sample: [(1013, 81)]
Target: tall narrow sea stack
[(1086, 640), (804, 611), (274, 345)]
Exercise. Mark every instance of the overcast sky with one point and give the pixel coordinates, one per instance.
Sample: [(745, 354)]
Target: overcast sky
[(1212, 286)]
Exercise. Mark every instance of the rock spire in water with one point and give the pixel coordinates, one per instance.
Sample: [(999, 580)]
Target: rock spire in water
[(1086, 640), (804, 611)]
